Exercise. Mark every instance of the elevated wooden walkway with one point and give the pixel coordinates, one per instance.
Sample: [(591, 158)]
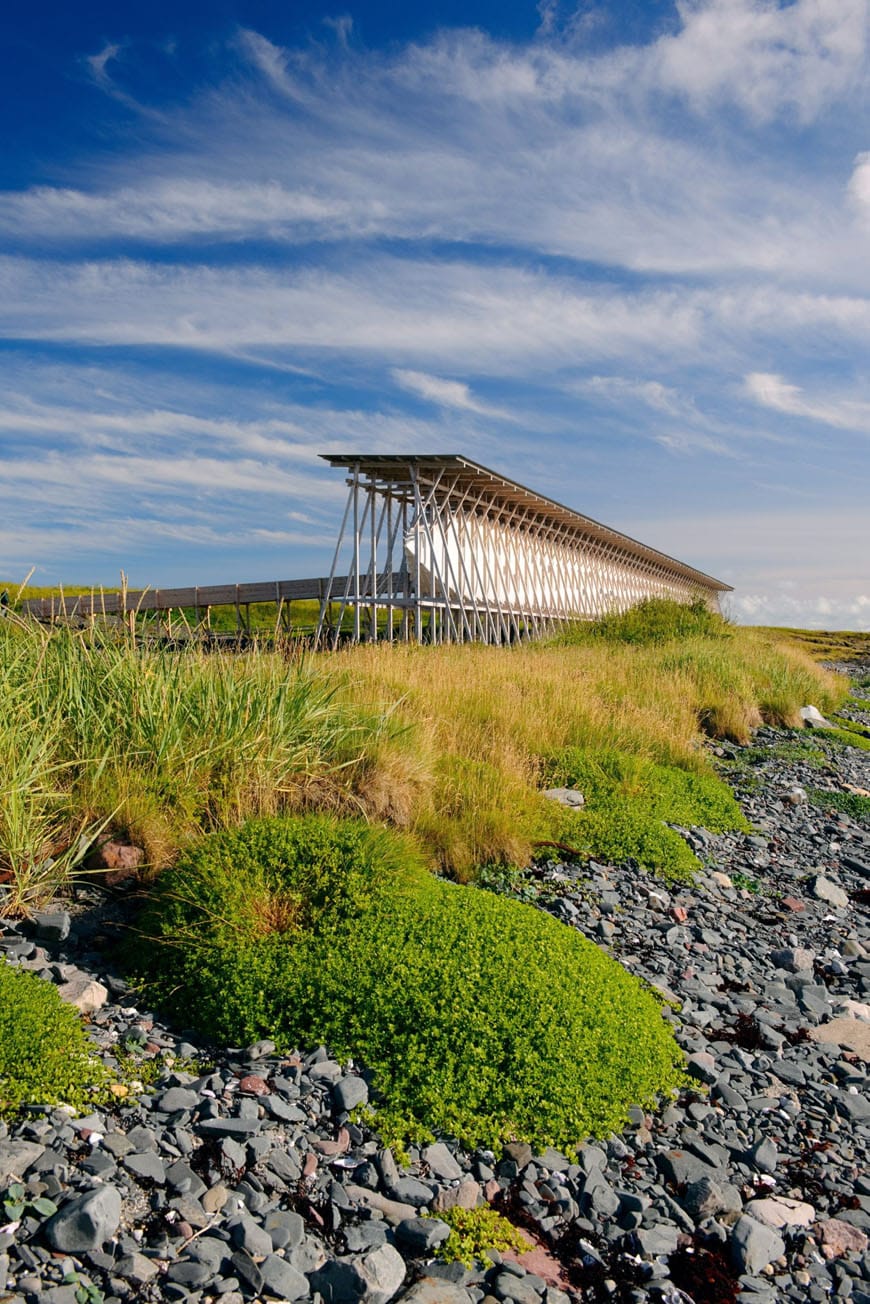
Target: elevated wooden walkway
[(200, 598)]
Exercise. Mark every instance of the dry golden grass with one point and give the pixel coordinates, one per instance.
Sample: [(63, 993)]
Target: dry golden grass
[(480, 720)]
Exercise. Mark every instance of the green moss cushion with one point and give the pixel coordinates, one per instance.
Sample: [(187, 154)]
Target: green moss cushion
[(478, 1017)]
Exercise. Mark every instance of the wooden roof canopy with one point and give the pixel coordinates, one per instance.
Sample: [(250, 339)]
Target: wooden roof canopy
[(461, 477)]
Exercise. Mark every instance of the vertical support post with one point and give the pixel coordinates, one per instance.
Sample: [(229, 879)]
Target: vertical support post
[(373, 569), (418, 511), (355, 570), (325, 614)]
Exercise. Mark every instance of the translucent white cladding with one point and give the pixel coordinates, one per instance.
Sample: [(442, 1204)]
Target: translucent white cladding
[(470, 560), (442, 549)]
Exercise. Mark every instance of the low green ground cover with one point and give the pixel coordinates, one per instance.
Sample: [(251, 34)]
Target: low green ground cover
[(848, 735), (850, 803), (474, 1231), (479, 1017), (45, 1055), (630, 800)]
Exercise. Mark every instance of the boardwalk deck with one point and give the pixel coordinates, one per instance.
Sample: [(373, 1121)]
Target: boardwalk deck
[(199, 598)]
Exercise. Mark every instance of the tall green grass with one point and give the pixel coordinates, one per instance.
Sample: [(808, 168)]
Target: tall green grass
[(160, 745), (453, 743)]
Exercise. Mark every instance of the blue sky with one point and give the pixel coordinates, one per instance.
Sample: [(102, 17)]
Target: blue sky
[(618, 252)]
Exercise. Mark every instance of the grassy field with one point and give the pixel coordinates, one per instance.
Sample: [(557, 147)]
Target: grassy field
[(452, 743), (825, 644)]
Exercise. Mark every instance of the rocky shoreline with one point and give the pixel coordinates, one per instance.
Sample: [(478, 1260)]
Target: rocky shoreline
[(238, 1175)]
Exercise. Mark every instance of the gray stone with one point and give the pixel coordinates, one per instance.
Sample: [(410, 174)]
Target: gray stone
[(260, 1049), (147, 1164), (383, 1272), (703, 1199), (853, 1106), (285, 1164), (245, 1267), (309, 1256), (754, 1245), (603, 1198), (282, 1280), (764, 1156), (660, 1239), (348, 1093), (779, 1211), (566, 796), (52, 927), (190, 1272), (285, 1227), (794, 958), (518, 1289), (441, 1162), (184, 1180), (85, 1222), (431, 1290), (231, 1127), (117, 1144), (249, 1235), (702, 1066), (793, 1074), (824, 890), (177, 1098), (190, 1209), (422, 1235), (325, 1071), (395, 1211), (338, 1282), (681, 1168), (16, 1157), (210, 1250), (142, 1138), (136, 1268), (409, 1190)]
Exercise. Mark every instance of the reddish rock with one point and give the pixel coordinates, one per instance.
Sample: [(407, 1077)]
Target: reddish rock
[(252, 1085), (541, 1262), (793, 904), (680, 914), (116, 861), (309, 1167), (464, 1196), (838, 1238), (339, 1146)]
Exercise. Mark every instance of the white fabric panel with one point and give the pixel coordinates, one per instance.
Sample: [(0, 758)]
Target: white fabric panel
[(469, 559)]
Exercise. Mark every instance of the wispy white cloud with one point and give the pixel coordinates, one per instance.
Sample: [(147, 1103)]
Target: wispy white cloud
[(319, 146), (97, 63), (775, 392), (492, 319), (447, 393)]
